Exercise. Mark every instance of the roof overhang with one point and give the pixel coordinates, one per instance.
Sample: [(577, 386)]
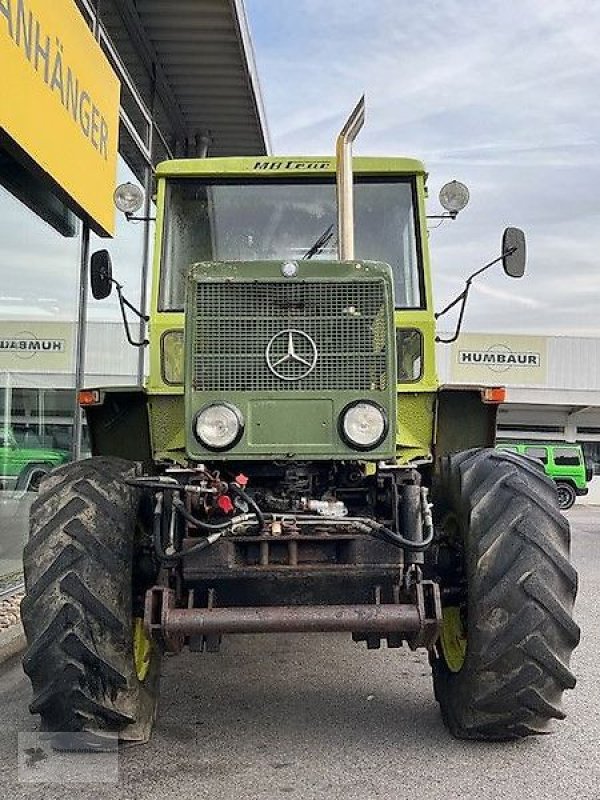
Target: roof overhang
[(196, 58)]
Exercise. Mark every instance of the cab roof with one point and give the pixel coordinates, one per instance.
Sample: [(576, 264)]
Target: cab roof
[(273, 166)]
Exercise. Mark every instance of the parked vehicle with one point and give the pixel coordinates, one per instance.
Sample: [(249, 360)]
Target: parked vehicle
[(564, 463), (23, 463)]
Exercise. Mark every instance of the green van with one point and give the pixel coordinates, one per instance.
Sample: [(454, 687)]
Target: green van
[(564, 463)]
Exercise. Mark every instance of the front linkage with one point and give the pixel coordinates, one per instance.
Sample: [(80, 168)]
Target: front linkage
[(366, 572)]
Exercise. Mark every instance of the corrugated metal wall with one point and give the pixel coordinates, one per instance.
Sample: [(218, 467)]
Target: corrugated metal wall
[(572, 363)]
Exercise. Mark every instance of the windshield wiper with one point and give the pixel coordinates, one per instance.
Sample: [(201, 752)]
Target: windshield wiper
[(320, 244)]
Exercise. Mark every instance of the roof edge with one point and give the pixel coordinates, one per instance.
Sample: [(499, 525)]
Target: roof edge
[(243, 27), (274, 166)]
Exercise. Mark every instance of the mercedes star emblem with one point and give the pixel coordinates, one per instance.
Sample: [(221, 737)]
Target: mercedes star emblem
[(291, 355)]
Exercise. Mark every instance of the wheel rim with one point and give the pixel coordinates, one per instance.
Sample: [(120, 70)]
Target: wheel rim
[(564, 496), (36, 479), (142, 648), (453, 638)]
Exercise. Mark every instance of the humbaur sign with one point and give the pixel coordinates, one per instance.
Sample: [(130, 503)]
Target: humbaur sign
[(27, 345), (517, 359), (499, 358), (36, 347)]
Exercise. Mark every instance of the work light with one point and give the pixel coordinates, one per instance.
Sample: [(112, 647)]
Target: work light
[(128, 198), (454, 196)]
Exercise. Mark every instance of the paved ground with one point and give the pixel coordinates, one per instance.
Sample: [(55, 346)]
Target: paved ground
[(314, 717), (14, 525)]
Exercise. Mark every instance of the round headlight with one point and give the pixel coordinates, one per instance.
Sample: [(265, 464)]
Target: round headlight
[(218, 426), (128, 198), (363, 425)]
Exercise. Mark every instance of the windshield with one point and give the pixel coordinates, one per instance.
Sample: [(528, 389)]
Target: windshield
[(264, 221)]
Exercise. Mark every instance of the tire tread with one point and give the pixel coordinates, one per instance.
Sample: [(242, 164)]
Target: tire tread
[(521, 592), (77, 608)]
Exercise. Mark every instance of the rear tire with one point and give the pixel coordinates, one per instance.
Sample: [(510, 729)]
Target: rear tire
[(82, 597), (566, 495), (500, 514)]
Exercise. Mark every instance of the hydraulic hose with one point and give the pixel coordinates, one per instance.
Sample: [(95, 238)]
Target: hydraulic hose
[(381, 532), (159, 486), (157, 538), (251, 503), (157, 528), (156, 484), (216, 531), (198, 523)]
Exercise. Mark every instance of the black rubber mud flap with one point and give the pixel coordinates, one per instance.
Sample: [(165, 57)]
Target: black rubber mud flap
[(79, 607), (520, 589)]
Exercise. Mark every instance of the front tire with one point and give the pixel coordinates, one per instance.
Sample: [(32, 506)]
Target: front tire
[(82, 604), (505, 677)]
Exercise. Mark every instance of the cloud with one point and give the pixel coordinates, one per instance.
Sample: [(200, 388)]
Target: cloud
[(500, 95)]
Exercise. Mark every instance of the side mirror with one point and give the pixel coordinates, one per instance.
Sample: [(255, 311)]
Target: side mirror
[(514, 252), (101, 274)]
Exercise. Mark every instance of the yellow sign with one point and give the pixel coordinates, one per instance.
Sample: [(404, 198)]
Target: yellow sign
[(59, 101), (501, 359), (36, 346)]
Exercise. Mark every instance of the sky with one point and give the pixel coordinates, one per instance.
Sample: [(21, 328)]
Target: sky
[(503, 96)]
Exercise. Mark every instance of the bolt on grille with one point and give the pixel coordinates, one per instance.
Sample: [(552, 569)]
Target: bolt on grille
[(306, 336)]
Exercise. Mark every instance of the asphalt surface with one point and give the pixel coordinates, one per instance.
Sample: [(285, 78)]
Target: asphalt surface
[(319, 717)]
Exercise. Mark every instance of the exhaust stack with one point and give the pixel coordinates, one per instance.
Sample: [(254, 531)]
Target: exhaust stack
[(344, 179)]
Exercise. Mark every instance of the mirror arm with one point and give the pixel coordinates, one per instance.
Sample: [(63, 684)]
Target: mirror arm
[(490, 264), (123, 302), (451, 305), (464, 295)]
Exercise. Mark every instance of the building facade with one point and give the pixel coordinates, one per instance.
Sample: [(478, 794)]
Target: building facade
[(95, 93), (552, 383)]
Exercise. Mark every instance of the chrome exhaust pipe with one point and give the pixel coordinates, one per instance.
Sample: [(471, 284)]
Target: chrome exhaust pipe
[(344, 180)]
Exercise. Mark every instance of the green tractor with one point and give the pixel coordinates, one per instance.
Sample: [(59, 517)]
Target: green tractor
[(292, 464)]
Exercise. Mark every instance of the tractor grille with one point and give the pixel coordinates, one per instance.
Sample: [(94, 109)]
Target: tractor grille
[(338, 334)]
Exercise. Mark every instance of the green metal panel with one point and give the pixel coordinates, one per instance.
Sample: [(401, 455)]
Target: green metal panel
[(415, 425), (167, 425), (285, 166), (415, 416), (307, 429), (300, 423)]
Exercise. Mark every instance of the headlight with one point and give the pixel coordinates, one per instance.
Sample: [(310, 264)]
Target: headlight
[(364, 425), (219, 426)]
